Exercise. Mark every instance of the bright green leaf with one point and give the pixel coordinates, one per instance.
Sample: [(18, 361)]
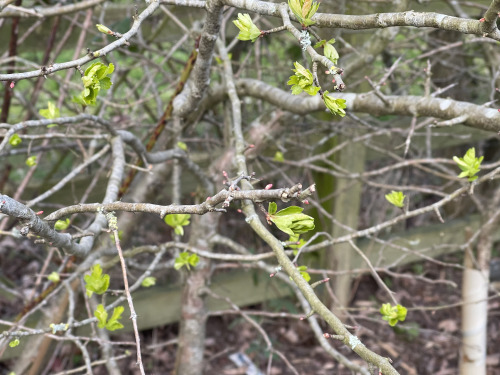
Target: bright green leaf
[(14, 343), (51, 112), (273, 207), (186, 260), (278, 156), (248, 30), (31, 161), (334, 105), (113, 324), (102, 315), (393, 314), (61, 224), (178, 221), (331, 53), (54, 277), (182, 146), (292, 221), (15, 140), (469, 164), (94, 79), (303, 80), (96, 282), (396, 198), (148, 281), (304, 10)]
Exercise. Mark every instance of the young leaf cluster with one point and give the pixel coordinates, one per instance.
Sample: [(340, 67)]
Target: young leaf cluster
[(96, 282), (396, 198), (94, 79), (61, 224), (329, 50), (31, 161), (186, 260), (335, 105), (469, 164), (304, 10), (290, 220), (248, 30), (102, 318), (178, 221), (393, 314), (302, 81), (15, 140)]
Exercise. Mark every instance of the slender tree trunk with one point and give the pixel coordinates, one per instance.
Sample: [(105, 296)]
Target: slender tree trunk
[(189, 360)]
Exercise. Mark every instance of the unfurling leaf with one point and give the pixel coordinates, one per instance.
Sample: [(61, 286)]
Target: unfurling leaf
[(278, 156), (302, 81), (54, 277), (334, 105), (51, 112), (14, 343), (396, 198), (102, 315), (187, 260), (94, 79), (15, 140), (469, 164), (331, 53), (148, 281), (304, 10), (248, 30), (61, 224), (393, 314), (113, 324), (31, 161), (290, 220), (96, 282), (178, 221)]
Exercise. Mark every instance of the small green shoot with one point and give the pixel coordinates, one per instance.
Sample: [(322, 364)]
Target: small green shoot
[(393, 314), (31, 161), (61, 224), (396, 198), (290, 220), (54, 277), (112, 324), (51, 112), (94, 79), (15, 140), (469, 164), (335, 105), (248, 30), (186, 260), (96, 282), (182, 146), (279, 157), (148, 281), (304, 10), (178, 221), (14, 343), (302, 81)]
